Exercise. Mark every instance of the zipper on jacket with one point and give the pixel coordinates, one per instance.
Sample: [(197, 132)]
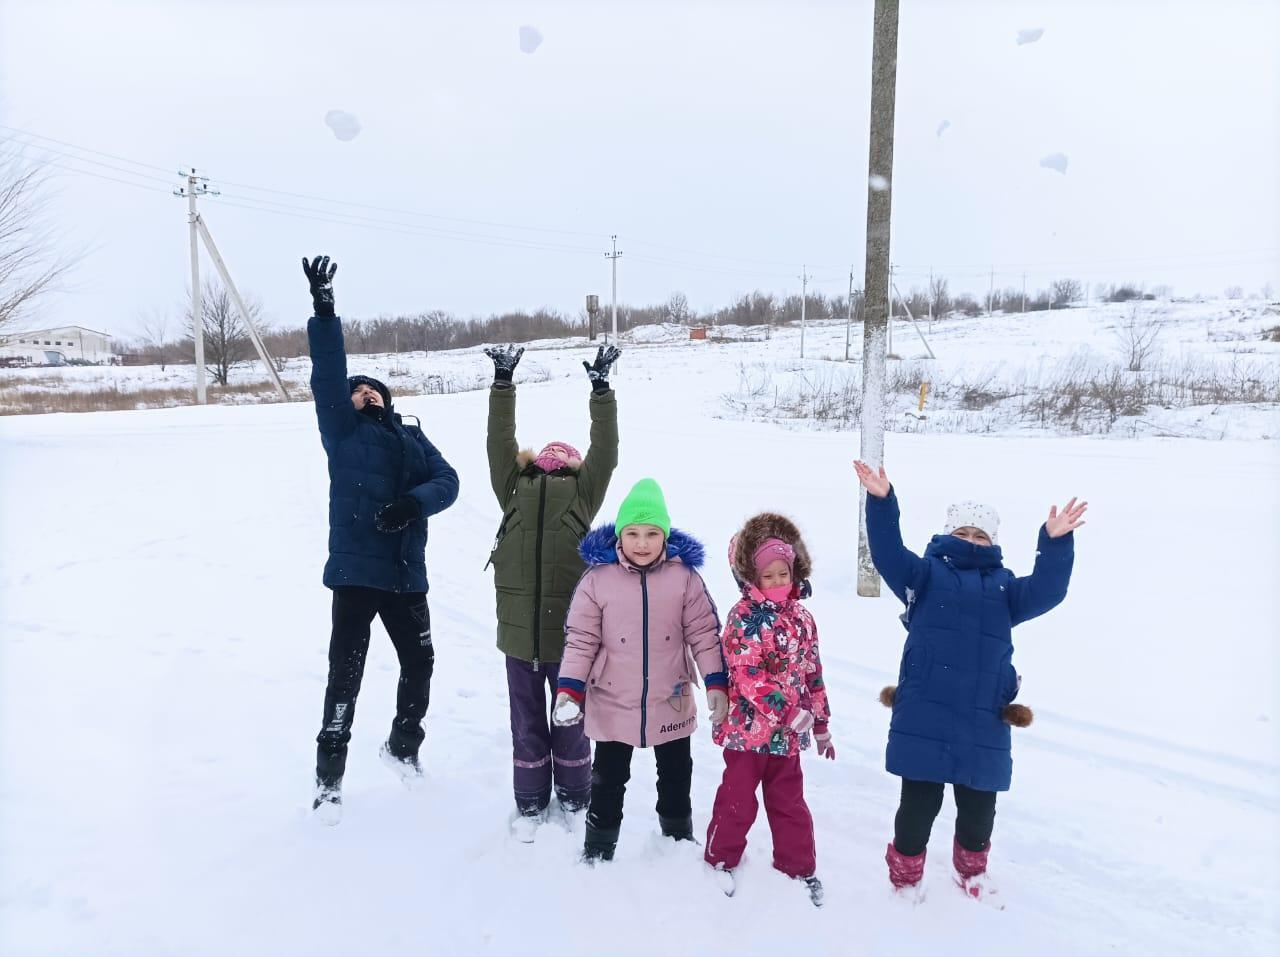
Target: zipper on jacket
[(537, 574), (644, 644), (497, 540)]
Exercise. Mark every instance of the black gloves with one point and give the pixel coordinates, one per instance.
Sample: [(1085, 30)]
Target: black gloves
[(598, 371), (505, 359), (320, 276), (398, 515)]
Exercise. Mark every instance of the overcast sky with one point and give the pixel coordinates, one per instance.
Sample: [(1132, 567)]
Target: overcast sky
[(724, 142)]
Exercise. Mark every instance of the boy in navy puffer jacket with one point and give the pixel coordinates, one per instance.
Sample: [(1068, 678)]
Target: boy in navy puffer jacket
[(956, 682)]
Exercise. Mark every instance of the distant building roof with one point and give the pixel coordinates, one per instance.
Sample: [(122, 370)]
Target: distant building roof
[(52, 329)]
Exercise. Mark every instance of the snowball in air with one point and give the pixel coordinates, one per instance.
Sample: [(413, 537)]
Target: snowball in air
[(345, 126), (944, 126), (1030, 36), (877, 182), (1055, 161), (530, 39)]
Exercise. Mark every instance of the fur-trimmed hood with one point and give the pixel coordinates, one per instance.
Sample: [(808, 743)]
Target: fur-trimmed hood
[(526, 457), (600, 547), (759, 529)]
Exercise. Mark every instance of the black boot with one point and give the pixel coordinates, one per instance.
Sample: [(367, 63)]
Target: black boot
[(599, 845), (677, 828)]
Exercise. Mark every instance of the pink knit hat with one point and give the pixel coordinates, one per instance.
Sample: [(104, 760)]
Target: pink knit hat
[(549, 462), (772, 550)]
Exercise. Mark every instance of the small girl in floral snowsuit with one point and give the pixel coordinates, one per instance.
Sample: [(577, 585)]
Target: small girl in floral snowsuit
[(777, 701)]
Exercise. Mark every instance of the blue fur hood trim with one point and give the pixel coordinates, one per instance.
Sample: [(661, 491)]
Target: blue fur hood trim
[(600, 547)]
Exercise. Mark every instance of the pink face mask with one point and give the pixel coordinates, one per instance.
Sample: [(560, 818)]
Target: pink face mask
[(777, 594)]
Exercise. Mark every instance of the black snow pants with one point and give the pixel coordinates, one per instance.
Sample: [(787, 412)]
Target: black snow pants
[(919, 805), (408, 623)]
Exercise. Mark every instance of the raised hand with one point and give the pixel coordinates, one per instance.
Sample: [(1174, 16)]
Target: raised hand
[(598, 371), (876, 483), (505, 359), (1068, 520), (320, 274)]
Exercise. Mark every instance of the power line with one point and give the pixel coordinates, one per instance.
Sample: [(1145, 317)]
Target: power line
[(75, 146)]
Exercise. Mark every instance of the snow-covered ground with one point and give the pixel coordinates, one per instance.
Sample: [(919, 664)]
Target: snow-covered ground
[(163, 633)]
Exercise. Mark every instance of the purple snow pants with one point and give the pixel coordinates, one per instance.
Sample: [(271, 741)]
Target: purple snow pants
[(541, 750)]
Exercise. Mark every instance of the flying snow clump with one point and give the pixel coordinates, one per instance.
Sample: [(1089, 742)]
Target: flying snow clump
[(345, 126), (530, 39)]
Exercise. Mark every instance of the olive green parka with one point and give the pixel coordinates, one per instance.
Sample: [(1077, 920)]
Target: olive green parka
[(535, 556)]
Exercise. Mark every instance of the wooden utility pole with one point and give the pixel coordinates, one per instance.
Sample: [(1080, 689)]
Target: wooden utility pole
[(875, 303)]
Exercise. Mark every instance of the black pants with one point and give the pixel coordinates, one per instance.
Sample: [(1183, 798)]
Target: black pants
[(408, 623), (611, 771), (920, 803)]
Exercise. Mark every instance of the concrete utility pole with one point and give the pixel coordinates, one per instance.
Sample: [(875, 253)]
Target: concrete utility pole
[(199, 230), (875, 303), (991, 294), (1024, 294), (804, 300), (848, 322), (614, 257), (195, 187)]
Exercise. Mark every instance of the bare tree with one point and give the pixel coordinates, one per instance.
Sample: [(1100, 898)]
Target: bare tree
[(678, 309), (1138, 336), (1066, 291), (1235, 292), (30, 266), (226, 340), (155, 337), (939, 296)]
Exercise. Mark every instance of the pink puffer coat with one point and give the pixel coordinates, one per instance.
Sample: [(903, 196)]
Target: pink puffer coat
[(636, 640)]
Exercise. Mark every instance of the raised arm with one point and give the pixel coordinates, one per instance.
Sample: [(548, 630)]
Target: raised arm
[(1032, 595), (900, 567), (334, 412), (500, 439)]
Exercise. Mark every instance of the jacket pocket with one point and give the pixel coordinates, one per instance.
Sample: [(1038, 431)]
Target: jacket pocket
[(342, 511), (596, 675)]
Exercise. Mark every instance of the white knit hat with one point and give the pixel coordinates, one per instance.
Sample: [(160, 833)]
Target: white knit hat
[(972, 515)]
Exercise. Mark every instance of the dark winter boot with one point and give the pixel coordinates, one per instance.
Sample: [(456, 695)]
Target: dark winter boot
[(904, 871), (599, 845), (327, 805), (677, 828), (407, 768), (971, 871), (815, 890)]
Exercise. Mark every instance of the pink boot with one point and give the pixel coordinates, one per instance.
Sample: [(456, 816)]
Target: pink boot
[(971, 871), (904, 871)]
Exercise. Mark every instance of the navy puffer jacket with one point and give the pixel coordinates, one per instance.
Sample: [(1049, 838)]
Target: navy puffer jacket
[(957, 670), (372, 462)]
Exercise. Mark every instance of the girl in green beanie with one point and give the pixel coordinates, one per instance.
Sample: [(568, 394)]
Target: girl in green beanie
[(641, 629)]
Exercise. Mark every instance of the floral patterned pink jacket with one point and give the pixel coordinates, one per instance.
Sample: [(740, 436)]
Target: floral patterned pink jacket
[(774, 671)]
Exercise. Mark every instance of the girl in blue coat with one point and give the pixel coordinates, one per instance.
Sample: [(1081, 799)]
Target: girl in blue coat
[(953, 704)]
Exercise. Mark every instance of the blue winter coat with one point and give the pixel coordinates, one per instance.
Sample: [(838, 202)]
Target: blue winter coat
[(372, 462), (957, 673)]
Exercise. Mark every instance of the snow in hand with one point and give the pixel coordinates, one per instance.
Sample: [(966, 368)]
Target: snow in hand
[(877, 182), (1030, 36), (1055, 161), (530, 39), (345, 126), (943, 127), (163, 636), (567, 710)]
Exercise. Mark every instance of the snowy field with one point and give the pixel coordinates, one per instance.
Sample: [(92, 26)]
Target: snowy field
[(163, 633)]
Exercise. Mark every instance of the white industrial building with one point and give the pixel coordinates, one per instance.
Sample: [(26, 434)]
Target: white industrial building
[(57, 346)]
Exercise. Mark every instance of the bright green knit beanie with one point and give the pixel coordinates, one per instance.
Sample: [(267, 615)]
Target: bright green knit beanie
[(644, 505)]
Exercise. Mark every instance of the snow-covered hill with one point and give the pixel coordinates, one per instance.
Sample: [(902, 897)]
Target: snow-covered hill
[(162, 661)]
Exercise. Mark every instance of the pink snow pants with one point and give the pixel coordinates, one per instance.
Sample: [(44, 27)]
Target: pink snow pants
[(736, 806)]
